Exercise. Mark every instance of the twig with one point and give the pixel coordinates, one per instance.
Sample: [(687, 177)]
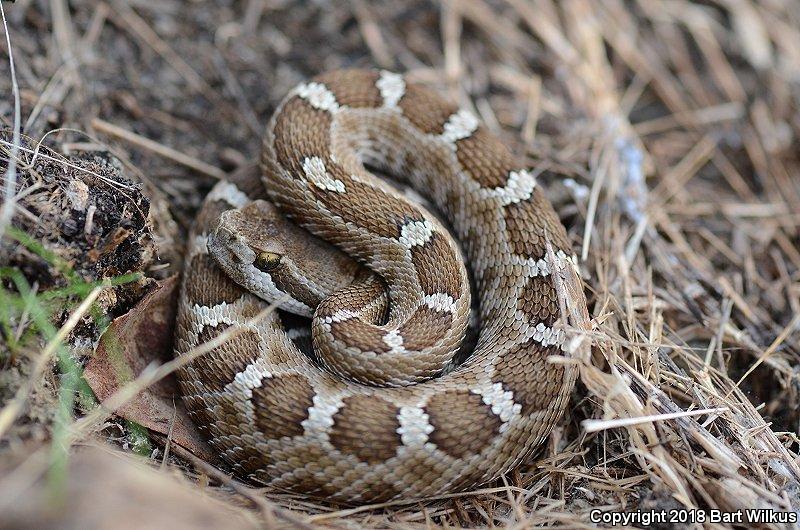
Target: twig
[(790, 327), (159, 149), (372, 34), (601, 425), (10, 188)]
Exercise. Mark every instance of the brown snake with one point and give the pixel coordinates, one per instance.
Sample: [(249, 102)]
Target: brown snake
[(379, 410)]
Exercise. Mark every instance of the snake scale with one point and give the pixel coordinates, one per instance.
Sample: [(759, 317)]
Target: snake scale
[(378, 410)]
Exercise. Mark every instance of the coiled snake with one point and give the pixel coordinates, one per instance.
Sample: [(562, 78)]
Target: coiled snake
[(379, 410)]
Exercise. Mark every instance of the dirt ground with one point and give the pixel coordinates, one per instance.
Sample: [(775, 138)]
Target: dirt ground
[(669, 131)]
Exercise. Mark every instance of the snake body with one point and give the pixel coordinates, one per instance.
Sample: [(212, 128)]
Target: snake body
[(379, 410)]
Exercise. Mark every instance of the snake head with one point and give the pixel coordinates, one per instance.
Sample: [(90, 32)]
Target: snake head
[(271, 257), (249, 244), (249, 236)]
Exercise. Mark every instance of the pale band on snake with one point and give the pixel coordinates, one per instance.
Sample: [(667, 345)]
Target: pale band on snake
[(379, 410)]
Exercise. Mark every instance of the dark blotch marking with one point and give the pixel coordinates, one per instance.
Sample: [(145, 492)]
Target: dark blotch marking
[(353, 88), (539, 301), (437, 265), (424, 327), (463, 425), (366, 427), (535, 383), (527, 222), (357, 333), (485, 158), (366, 296), (220, 365), (281, 403), (301, 131), (426, 109), (365, 206), (208, 285)]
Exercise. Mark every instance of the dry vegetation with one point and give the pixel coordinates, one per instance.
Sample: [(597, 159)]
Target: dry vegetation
[(671, 132)]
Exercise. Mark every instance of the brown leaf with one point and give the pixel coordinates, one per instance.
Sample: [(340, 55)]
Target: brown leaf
[(135, 340)]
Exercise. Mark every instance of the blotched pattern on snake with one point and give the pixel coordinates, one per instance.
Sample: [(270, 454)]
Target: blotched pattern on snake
[(379, 410)]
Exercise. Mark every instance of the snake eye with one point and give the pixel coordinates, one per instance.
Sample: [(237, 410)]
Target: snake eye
[(267, 261)]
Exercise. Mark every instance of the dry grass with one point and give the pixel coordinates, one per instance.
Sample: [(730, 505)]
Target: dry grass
[(672, 125)]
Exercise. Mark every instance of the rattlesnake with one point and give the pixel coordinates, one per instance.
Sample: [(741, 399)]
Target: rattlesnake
[(379, 410)]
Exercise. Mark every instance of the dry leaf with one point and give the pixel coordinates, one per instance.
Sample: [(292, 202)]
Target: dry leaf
[(141, 337)]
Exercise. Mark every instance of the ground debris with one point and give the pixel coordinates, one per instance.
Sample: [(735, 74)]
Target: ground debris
[(89, 218), (674, 125)]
